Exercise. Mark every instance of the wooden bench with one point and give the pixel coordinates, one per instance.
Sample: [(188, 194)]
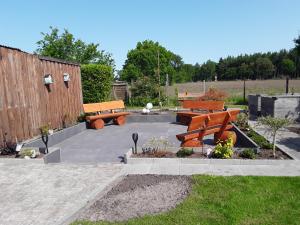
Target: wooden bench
[(196, 105), (105, 110), (202, 125)]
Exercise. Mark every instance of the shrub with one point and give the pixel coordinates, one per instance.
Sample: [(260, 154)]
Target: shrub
[(144, 90), (248, 154), (214, 94), (260, 140), (242, 121), (223, 151), (45, 129), (183, 152), (96, 82), (237, 100)]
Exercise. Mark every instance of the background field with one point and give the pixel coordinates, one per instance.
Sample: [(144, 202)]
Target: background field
[(235, 88)]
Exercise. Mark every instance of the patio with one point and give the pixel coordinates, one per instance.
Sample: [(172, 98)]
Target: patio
[(112, 142)]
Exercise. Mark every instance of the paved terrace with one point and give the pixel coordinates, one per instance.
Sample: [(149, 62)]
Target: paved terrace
[(112, 142), (33, 193)]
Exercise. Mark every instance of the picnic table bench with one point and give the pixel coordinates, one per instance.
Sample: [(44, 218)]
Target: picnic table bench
[(213, 123), (105, 110), (194, 106)]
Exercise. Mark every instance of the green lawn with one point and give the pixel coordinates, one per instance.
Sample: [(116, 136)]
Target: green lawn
[(232, 200)]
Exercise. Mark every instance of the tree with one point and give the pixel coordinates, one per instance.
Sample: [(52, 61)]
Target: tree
[(297, 48), (245, 71), (297, 44), (207, 71), (144, 90), (288, 67), (273, 125), (264, 68), (65, 46), (143, 61)]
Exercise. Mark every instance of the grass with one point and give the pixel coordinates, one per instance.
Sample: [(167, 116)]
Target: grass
[(231, 200)]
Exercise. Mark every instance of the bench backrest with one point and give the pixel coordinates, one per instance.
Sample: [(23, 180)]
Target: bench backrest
[(217, 119), (103, 106), (204, 105)]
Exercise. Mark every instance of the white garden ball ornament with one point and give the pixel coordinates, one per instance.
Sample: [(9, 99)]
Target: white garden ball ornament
[(144, 110), (149, 105)]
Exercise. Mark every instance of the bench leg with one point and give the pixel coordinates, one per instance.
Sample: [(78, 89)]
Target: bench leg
[(192, 143), (97, 124), (120, 120)]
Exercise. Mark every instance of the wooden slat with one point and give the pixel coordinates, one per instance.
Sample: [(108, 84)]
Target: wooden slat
[(25, 103), (203, 105)]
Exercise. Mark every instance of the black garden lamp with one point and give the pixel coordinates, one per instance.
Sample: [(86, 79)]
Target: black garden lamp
[(45, 141), (135, 138)]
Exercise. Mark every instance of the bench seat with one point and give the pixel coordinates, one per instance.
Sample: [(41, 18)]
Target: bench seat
[(106, 115), (100, 112), (206, 124), (203, 107)]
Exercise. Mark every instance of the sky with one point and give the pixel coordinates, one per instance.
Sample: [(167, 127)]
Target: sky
[(197, 30)]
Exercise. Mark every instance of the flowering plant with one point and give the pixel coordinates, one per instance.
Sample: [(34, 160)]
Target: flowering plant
[(224, 150)]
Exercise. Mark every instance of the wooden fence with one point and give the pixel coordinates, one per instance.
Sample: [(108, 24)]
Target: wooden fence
[(25, 102)]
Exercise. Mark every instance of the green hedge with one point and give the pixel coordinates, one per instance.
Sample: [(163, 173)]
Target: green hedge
[(96, 82)]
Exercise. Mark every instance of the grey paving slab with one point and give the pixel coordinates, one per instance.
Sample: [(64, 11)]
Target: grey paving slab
[(112, 142), (33, 193)]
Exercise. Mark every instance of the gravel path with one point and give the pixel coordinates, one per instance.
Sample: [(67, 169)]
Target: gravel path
[(138, 195)]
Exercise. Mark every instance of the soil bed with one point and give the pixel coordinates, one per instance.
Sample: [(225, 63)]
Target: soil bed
[(263, 154), (138, 195), (13, 156)]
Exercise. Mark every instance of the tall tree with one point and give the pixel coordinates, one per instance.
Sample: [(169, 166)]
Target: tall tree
[(144, 60), (65, 46), (264, 68), (288, 67), (297, 48)]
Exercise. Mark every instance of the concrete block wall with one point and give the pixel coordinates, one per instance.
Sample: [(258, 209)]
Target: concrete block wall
[(254, 104), (282, 106)]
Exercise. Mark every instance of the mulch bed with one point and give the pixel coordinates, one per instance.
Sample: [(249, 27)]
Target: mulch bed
[(13, 156), (139, 195), (264, 154)]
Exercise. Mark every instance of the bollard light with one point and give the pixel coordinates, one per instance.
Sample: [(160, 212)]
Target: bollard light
[(135, 138), (45, 138)]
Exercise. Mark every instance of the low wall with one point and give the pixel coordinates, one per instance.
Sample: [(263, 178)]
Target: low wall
[(282, 106), (58, 136)]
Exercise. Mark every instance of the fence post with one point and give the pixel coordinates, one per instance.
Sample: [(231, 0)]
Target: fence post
[(244, 91), (287, 85)]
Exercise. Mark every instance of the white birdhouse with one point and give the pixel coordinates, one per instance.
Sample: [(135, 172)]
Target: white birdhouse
[(48, 79), (66, 77)]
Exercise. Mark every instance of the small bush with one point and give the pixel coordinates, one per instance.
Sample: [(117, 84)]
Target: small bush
[(237, 100), (260, 140), (223, 151), (214, 94), (242, 121), (248, 154), (45, 129), (184, 152)]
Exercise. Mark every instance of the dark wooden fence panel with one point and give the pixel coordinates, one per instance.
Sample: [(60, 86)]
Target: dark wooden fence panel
[(25, 102)]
